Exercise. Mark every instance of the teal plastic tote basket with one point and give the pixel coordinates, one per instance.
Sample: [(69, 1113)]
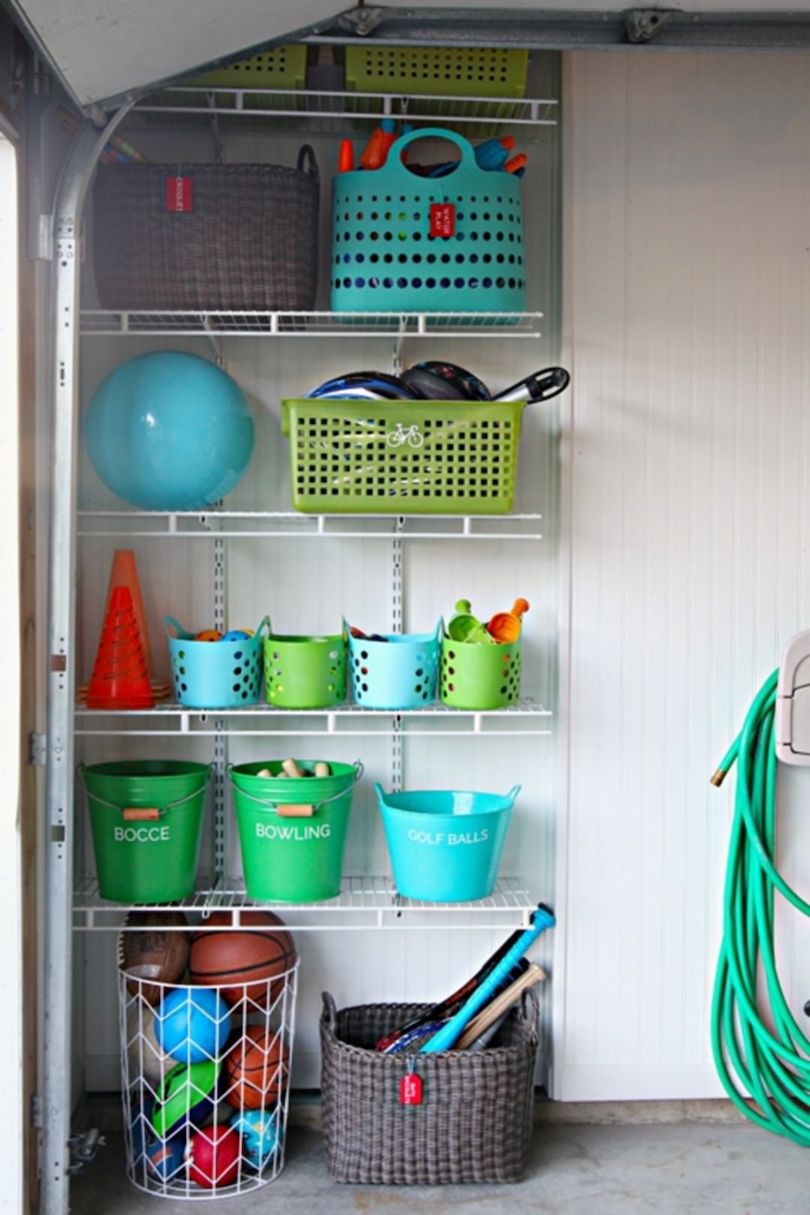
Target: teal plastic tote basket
[(445, 845), (215, 674), (398, 672), (402, 243)]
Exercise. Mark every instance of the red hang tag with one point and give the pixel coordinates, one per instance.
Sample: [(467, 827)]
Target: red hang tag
[(410, 1089), (442, 219), (179, 194)]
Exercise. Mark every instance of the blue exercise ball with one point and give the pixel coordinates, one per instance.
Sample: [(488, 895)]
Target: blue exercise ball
[(169, 431)]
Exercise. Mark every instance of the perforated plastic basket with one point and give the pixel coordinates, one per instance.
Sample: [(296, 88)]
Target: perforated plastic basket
[(215, 674), (396, 673), (443, 70), (479, 676), (302, 672), (387, 258), (280, 67), (397, 457)]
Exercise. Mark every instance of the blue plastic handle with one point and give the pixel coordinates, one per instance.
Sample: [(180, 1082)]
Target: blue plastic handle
[(394, 168), (447, 1036)]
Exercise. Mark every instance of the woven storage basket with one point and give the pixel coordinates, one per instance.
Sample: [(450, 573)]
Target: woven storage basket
[(475, 1120), (447, 244), (250, 240)]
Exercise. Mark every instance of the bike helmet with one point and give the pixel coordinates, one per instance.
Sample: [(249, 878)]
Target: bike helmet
[(440, 381), (365, 385)]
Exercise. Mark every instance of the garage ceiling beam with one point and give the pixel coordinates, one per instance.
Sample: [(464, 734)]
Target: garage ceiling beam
[(560, 29)]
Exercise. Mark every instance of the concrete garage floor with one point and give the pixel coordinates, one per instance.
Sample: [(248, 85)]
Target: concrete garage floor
[(681, 1168)]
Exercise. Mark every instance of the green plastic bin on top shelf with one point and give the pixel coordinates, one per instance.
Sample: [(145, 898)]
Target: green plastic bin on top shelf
[(146, 817), (292, 830), (303, 672)]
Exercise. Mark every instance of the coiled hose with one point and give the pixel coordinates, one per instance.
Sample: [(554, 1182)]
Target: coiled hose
[(761, 1054)]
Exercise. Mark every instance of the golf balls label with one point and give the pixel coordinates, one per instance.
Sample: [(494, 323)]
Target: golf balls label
[(274, 831), (451, 838), (141, 835)]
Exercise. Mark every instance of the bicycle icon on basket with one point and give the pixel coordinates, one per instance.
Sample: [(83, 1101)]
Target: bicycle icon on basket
[(401, 436)]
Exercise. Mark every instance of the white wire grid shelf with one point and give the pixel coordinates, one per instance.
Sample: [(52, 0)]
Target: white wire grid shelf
[(216, 323), (364, 902), (233, 524), (332, 108), (527, 718)]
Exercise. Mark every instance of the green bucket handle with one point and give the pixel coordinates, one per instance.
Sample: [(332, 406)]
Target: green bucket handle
[(122, 810), (273, 805), (183, 634)]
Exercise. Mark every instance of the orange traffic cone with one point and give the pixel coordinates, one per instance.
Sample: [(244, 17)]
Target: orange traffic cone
[(124, 572), (120, 679)]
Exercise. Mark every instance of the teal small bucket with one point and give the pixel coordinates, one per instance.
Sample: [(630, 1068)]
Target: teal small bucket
[(215, 674), (399, 672), (445, 845), (403, 243)]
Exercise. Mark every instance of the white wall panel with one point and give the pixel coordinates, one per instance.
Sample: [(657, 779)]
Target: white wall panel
[(687, 254)]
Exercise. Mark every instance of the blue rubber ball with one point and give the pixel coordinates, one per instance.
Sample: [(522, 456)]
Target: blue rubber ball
[(166, 1157), (169, 431), (260, 1137), (192, 1024)]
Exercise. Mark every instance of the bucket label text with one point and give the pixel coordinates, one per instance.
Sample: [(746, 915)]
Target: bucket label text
[(141, 835), (274, 831), (451, 838)]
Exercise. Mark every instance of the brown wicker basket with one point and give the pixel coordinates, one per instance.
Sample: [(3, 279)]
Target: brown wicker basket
[(249, 242), (475, 1120)]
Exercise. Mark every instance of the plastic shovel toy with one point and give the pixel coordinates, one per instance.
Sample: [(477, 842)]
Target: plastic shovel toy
[(465, 627), (504, 627)]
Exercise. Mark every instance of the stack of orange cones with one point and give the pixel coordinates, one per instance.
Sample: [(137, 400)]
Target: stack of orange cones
[(120, 678)]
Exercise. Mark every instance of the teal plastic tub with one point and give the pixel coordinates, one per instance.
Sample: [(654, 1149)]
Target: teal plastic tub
[(445, 845), (402, 243)]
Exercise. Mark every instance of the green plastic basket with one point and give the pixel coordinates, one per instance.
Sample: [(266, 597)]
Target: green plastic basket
[(293, 859), (437, 70), (402, 457), (303, 672), (479, 676), (146, 817)]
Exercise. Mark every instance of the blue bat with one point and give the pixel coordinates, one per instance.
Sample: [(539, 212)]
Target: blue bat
[(447, 1036)]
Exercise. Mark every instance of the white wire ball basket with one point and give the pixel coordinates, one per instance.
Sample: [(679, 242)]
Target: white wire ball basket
[(205, 1083)]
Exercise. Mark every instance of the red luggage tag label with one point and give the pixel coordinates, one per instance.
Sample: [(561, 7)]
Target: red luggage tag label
[(179, 195), (410, 1089), (443, 219)]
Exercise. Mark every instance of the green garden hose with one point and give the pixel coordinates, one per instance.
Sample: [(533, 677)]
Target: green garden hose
[(761, 1054)]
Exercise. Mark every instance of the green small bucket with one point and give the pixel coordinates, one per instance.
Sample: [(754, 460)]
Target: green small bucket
[(146, 817), (305, 672), (479, 676), (292, 859)]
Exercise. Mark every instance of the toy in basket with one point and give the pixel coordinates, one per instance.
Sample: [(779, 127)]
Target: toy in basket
[(215, 671), (403, 243), (394, 670), (206, 1064)]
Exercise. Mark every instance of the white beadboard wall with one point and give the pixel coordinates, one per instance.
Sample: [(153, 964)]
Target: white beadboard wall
[(687, 252)]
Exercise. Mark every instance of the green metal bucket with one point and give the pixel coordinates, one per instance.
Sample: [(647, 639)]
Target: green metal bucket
[(473, 676), (146, 817), (290, 858), (305, 672)]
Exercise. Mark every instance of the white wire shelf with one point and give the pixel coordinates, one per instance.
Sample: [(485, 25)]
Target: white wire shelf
[(527, 718), (226, 524), (220, 323), (364, 902), (331, 108)]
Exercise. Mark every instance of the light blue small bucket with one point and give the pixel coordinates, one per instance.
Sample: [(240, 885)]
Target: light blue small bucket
[(404, 243), (398, 673), (215, 674), (445, 845)]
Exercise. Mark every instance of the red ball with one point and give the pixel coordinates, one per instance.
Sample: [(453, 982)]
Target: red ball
[(213, 1156)]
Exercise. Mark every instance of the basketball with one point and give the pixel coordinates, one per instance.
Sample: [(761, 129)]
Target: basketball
[(256, 1069), (213, 1156), (241, 963), (150, 950)]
